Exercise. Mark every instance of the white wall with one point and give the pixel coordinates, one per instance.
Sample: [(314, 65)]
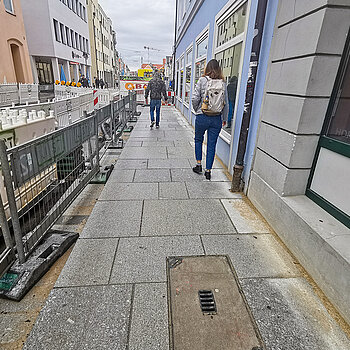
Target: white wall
[(38, 18)]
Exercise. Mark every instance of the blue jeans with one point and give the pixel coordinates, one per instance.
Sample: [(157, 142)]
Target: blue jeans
[(211, 125), (155, 104)]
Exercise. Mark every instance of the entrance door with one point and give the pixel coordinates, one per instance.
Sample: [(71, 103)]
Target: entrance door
[(17, 63)]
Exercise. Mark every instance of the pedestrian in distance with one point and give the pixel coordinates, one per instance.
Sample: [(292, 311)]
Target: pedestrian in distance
[(210, 103), (156, 89), (97, 82), (102, 83)]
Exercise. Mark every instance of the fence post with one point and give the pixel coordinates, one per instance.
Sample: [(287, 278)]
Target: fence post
[(12, 201), (4, 226), (97, 144), (113, 122)]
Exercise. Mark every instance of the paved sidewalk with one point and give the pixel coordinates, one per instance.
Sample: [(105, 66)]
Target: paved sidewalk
[(112, 293)]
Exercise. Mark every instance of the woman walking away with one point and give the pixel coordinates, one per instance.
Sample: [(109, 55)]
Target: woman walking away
[(210, 103)]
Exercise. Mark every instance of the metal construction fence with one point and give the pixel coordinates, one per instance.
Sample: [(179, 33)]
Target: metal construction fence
[(42, 177)]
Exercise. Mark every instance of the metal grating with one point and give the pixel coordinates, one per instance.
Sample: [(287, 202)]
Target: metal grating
[(207, 301)]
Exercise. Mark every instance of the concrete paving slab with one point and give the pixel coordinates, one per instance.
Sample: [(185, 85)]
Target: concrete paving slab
[(143, 259), (130, 191), (143, 138), (290, 316), (131, 164), (253, 256), (121, 175), (143, 153), (83, 318), (209, 189), (188, 175), (216, 164), (183, 143), (173, 190), (185, 217), (132, 143), (245, 218), (168, 163), (152, 175), (149, 325), (147, 133), (163, 143), (180, 152), (89, 263), (111, 219)]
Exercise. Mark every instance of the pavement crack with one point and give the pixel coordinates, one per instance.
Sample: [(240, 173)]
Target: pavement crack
[(142, 209), (115, 255)]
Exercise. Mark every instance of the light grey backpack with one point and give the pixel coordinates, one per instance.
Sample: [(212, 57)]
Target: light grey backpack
[(214, 98)]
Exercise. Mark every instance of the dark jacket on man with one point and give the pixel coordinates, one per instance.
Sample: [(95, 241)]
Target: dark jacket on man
[(156, 87)]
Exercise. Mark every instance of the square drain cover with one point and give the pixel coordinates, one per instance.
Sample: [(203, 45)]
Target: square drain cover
[(207, 308)]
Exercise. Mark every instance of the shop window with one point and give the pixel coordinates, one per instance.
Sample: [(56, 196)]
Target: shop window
[(181, 81), (230, 29), (202, 47), (188, 72), (232, 26), (339, 125), (44, 70), (189, 56), (199, 69), (229, 61)]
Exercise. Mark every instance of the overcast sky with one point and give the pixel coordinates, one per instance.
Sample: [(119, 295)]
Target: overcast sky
[(140, 23)]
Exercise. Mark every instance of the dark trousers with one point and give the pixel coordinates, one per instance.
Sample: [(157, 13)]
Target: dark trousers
[(211, 125)]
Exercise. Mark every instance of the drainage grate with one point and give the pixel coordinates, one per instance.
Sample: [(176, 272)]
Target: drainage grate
[(207, 301)]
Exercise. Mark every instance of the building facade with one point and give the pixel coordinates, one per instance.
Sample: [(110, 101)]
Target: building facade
[(102, 43), (297, 156), (15, 62), (223, 30), (58, 39)]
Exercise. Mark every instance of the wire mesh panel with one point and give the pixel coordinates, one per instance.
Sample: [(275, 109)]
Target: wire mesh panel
[(48, 173)]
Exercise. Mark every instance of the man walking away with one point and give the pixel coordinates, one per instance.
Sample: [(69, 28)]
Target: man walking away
[(102, 83), (157, 88)]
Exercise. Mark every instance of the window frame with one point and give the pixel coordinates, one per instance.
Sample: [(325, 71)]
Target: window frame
[(68, 38), (56, 29), (12, 11)]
